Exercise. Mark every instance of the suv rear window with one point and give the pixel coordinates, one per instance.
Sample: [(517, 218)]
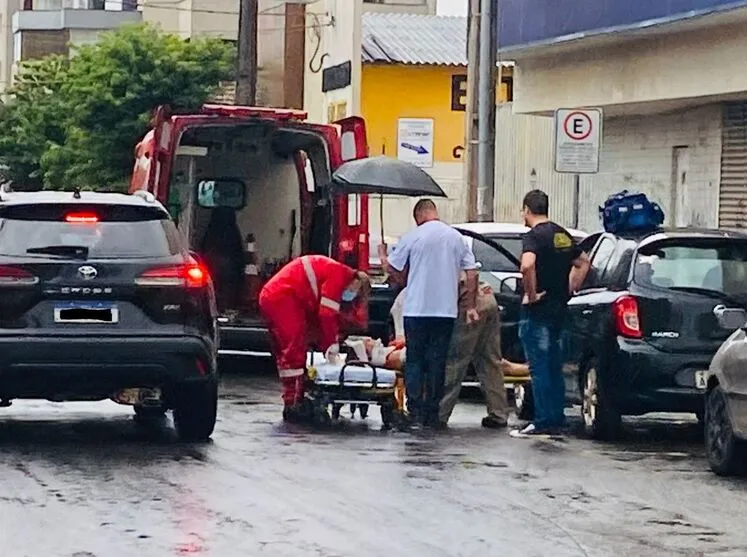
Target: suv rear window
[(107, 231), (718, 265)]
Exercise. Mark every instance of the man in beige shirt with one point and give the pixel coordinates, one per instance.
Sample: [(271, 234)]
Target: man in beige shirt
[(477, 343)]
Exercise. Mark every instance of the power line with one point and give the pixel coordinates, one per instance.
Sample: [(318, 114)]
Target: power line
[(164, 5)]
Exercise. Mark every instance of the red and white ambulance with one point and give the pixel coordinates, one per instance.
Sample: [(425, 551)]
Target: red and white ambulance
[(254, 185)]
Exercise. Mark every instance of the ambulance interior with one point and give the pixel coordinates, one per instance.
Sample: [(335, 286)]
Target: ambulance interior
[(255, 187)]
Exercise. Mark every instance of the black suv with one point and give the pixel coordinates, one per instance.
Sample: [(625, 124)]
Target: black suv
[(642, 332), (99, 299)]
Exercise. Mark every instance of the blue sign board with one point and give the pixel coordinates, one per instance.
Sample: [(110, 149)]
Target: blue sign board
[(525, 22)]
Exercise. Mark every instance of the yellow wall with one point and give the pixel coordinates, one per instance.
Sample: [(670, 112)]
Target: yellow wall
[(392, 91)]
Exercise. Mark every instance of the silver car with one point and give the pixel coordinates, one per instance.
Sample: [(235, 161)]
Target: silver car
[(725, 385)]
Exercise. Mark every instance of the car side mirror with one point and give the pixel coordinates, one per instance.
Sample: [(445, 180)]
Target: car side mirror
[(730, 319)]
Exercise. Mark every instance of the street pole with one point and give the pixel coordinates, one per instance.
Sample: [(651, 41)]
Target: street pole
[(471, 117), (246, 82), (486, 111)]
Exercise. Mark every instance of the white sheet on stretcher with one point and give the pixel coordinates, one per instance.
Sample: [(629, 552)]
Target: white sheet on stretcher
[(355, 376)]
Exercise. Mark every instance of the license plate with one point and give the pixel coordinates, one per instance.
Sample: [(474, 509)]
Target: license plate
[(701, 379), (86, 312)]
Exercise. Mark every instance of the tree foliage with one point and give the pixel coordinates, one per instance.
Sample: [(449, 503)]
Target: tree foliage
[(76, 121)]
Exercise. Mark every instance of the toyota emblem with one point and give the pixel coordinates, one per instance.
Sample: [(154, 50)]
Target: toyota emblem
[(87, 272)]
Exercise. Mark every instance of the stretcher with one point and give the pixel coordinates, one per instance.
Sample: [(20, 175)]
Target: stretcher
[(354, 382)]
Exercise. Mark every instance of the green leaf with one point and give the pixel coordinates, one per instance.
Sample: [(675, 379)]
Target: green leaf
[(76, 121)]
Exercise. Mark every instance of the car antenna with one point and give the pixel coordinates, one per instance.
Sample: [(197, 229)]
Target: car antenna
[(76, 193)]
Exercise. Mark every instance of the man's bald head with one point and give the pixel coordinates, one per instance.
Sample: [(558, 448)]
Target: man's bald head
[(425, 210)]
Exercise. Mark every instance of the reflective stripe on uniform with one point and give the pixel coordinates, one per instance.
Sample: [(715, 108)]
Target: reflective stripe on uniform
[(331, 304), (285, 373), (306, 262)]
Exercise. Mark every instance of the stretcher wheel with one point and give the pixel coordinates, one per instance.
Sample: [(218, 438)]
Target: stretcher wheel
[(336, 408), (320, 416), (387, 416)]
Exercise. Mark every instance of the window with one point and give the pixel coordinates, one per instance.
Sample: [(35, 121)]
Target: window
[(618, 270), (599, 261), (493, 261), (337, 111), (718, 265), (122, 232)]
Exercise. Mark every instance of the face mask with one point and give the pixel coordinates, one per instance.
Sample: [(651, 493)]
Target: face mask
[(349, 296)]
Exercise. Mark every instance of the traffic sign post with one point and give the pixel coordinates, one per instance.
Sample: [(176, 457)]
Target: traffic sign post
[(578, 141), (578, 138)]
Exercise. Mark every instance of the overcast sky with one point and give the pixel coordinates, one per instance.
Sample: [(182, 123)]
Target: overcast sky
[(452, 7)]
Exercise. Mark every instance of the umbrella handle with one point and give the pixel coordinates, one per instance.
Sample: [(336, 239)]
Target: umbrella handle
[(381, 216)]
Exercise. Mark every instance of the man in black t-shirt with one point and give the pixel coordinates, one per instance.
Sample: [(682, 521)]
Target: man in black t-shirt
[(552, 267)]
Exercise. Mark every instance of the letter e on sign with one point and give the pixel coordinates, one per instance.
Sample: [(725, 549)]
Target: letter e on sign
[(578, 136)]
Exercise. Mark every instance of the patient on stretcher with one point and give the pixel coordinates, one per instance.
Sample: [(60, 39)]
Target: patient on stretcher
[(394, 356)]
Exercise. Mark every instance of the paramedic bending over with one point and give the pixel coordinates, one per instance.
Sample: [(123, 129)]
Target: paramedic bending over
[(301, 304)]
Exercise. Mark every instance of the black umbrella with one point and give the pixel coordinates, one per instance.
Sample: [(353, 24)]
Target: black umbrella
[(385, 176)]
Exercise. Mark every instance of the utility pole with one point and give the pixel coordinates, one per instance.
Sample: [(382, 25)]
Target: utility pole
[(471, 117), (246, 82), (487, 71)]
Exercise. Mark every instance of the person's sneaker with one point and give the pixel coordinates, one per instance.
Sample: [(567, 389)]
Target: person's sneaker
[(492, 421), (530, 431)]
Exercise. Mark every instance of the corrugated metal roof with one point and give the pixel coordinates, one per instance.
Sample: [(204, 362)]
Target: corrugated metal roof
[(415, 39)]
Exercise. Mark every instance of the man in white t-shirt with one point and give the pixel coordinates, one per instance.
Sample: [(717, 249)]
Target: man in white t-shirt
[(430, 259)]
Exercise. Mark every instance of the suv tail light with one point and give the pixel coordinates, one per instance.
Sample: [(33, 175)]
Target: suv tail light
[(627, 321), (184, 276), (82, 218), (15, 276)]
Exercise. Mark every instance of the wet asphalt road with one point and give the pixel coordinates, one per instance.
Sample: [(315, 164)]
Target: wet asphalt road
[(85, 480)]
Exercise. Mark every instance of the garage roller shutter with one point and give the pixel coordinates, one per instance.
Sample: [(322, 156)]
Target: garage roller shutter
[(733, 191)]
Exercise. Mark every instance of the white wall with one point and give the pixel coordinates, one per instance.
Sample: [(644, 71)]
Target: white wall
[(7, 9), (638, 154), (342, 42), (398, 210), (402, 6), (674, 66)]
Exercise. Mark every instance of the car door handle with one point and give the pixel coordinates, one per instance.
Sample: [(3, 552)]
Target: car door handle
[(587, 312), (501, 308)]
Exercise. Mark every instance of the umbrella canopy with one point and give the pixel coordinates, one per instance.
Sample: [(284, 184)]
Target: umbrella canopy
[(385, 176)]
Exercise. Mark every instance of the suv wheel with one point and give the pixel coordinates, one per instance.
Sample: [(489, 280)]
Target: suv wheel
[(195, 410), (524, 401), (726, 454), (602, 421)]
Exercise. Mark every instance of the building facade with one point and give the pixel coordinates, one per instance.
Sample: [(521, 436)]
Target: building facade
[(42, 27), (666, 76), (414, 73)]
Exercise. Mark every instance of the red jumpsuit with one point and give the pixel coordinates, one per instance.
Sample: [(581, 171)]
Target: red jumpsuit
[(300, 302)]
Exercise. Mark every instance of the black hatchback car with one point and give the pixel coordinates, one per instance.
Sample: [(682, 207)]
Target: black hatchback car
[(642, 332), (100, 300)]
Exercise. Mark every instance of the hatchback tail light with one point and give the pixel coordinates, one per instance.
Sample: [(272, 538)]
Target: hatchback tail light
[(627, 322), (189, 276), (16, 276)]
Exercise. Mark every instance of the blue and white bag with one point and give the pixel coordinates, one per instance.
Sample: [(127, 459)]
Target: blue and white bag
[(628, 211)]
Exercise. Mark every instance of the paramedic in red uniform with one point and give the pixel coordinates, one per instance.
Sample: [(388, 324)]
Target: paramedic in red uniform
[(302, 303)]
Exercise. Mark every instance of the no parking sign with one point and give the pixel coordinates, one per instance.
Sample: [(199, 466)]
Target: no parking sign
[(578, 134)]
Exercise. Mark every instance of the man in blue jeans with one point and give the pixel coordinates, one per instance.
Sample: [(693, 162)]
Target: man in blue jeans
[(430, 259), (552, 267)]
